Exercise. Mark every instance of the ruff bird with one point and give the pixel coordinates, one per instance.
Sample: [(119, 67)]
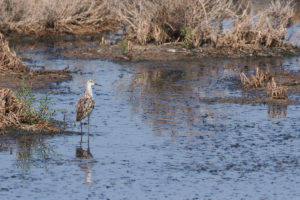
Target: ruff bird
[(85, 104)]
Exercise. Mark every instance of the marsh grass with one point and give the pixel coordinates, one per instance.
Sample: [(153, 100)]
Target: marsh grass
[(275, 91), (198, 23), (40, 17), (35, 109), (25, 112), (263, 79), (9, 61), (10, 109), (162, 21), (267, 28), (123, 45), (260, 79)]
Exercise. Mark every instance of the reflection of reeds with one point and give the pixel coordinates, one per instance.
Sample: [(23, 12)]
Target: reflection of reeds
[(168, 101), (277, 110), (33, 151), (155, 79)]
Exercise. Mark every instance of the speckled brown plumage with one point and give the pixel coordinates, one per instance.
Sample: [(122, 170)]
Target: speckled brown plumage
[(84, 107)]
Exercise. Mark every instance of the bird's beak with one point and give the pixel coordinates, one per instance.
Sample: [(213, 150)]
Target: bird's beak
[(98, 84)]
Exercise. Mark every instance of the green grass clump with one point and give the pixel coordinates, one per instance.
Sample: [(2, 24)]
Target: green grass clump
[(35, 109), (123, 45), (187, 37)]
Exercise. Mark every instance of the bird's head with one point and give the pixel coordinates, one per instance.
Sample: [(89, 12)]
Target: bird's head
[(90, 82)]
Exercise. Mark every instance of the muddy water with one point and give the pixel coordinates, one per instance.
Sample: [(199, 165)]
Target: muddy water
[(151, 136)]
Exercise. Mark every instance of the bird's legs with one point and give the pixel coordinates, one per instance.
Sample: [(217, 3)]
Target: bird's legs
[(88, 124), (88, 143), (81, 133), (88, 134)]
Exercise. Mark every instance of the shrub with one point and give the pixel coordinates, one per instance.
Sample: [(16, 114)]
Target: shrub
[(34, 109)]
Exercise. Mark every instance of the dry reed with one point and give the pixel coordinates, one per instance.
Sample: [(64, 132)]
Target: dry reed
[(199, 22), (10, 109), (260, 79), (9, 61), (275, 91), (263, 79), (196, 23), (44, 16), (265, 29), (11, 64), (161, 21)]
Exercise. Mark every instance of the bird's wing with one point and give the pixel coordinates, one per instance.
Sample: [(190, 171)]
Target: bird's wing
[(84, 107)]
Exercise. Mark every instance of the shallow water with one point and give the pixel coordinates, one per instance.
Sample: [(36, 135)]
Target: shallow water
[(152, 138)]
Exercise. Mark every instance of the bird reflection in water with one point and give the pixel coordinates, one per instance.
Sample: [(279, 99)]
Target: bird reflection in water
[(86, 160)]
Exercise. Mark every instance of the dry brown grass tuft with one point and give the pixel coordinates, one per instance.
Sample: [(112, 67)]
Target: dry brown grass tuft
[(260, 79), (266, 29), (9, 60), (159, 21), (196, 23), (58, 16), (199, 22), (275, 91), (10, 109), (11, 64), (263, 79)]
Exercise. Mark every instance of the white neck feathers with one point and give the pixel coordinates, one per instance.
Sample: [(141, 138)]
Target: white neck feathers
[(89, 89)]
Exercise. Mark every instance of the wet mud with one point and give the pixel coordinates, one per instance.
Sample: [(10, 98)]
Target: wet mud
[(37, 79), (166, 52)]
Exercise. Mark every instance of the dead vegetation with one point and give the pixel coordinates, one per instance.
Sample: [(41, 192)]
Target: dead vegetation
[(267, 28), (9, 109), (275, 91), (193, 23), (11, 64), (159, 21), (198, 23), (19, 112), (12, 114), (263, 79), (40, 17), (260, 79)]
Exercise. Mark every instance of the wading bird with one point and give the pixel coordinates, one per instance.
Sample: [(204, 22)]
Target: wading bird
[(85, 104)]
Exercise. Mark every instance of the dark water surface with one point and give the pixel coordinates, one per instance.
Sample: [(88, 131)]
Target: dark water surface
[(152, 138)]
